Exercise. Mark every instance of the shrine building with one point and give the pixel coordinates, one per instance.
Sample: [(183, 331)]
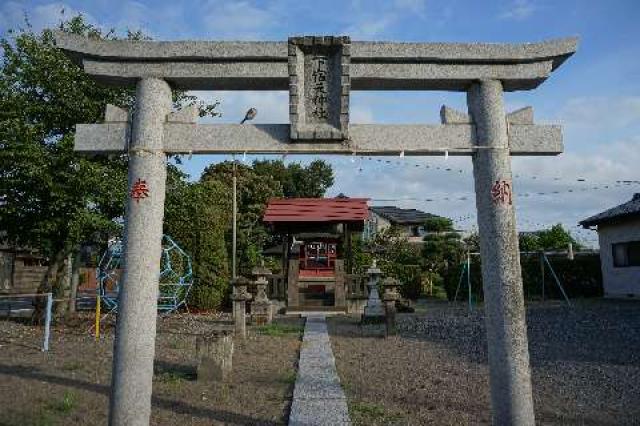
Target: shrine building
[(316, 235)]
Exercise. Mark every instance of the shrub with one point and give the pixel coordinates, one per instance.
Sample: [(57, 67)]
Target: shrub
[(580, 277), (210, 294)]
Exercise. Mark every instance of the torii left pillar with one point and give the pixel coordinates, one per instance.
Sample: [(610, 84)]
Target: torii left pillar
[(134, 347)]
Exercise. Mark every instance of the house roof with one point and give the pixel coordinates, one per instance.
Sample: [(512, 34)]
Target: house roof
[(340, 209), (400, 216), (625, 210)]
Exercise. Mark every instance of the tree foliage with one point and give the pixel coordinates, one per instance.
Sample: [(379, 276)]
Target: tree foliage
[(554, 238), (442, 246), (197, 215), (254, 192), (52, 198), (298, 181)]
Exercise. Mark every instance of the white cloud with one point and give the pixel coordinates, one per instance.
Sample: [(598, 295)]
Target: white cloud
[(369, 19), (518, 10), (12, 15), (601, 111)]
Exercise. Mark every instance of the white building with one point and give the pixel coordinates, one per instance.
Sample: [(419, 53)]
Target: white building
[(619, 235)]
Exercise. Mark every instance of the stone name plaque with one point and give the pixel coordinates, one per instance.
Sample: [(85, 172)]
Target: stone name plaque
[(319, 87)]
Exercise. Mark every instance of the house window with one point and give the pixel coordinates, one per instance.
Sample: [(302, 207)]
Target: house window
[(626, 254)]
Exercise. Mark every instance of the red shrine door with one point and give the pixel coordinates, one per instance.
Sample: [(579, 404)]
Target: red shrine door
[(318, 258)]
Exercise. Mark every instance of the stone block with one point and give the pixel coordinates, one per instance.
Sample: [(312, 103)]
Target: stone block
[(215, 356), (262, 313), (452, 116), (189, 115), (521, 116), (114, 114)]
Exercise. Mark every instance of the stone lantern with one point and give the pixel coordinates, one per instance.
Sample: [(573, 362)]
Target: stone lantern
[(374, 310)]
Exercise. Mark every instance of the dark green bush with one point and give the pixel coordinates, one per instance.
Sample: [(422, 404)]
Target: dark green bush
[(580, 277)]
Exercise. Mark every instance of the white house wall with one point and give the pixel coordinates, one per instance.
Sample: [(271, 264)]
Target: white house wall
[(619, 281)]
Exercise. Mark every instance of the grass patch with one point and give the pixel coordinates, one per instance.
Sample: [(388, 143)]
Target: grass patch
[(366, 413), (289, 377), (279, 330), (65, 405), (71, 366), (176, 343), (173, 378), (43, 418)]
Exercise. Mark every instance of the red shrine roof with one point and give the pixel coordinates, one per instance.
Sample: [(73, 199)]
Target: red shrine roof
[(316, 210)]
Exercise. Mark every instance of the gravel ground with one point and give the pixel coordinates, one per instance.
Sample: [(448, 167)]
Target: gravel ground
[(585, 362), (70, 384)]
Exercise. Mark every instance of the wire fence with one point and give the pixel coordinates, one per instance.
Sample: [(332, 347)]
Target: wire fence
[(21, 307), (16, 310)]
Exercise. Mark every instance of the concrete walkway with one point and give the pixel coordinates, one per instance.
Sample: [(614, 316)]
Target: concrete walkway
[(318, 398)]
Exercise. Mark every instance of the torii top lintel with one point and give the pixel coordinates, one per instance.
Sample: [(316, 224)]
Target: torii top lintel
[(234, 65)]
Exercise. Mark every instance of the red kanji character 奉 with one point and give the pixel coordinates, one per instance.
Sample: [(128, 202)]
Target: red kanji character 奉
[(139, 190)]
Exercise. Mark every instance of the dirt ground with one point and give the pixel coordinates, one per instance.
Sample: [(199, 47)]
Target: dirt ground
[(70, 384), (585, 362)]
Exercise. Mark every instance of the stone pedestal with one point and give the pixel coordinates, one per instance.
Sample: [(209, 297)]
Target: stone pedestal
[(293, 296), (215, 356), (240, 297), (261, 310), (340, 291), (374, 311), (390, 296)]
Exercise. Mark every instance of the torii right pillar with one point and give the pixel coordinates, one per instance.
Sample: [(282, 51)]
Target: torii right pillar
[(510, 374)]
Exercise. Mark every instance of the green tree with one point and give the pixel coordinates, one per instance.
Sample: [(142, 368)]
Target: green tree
[(197, 216), (310, 181), (254, 192), (554, 238), (442, 251), (397, 258), (54, 199)]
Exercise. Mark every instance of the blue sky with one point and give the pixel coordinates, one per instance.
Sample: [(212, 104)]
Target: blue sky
[(595, 95)]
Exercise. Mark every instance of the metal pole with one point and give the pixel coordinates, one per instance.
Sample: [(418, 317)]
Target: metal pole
[(557, 281), (469, 278), (542, 272), (510, 374), (97, 325), (455, 297), (235, 214), (134, 347), (47, 322)]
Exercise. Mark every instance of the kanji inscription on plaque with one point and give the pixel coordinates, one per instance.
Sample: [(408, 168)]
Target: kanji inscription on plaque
[(319, 86)]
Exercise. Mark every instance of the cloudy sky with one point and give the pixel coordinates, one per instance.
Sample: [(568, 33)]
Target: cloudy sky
[(595, 95)]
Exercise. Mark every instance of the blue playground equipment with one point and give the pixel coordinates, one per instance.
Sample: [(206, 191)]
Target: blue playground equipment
[(174, 284)]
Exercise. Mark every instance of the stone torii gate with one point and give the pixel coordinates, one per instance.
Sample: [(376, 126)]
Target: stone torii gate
[(319, 73)]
